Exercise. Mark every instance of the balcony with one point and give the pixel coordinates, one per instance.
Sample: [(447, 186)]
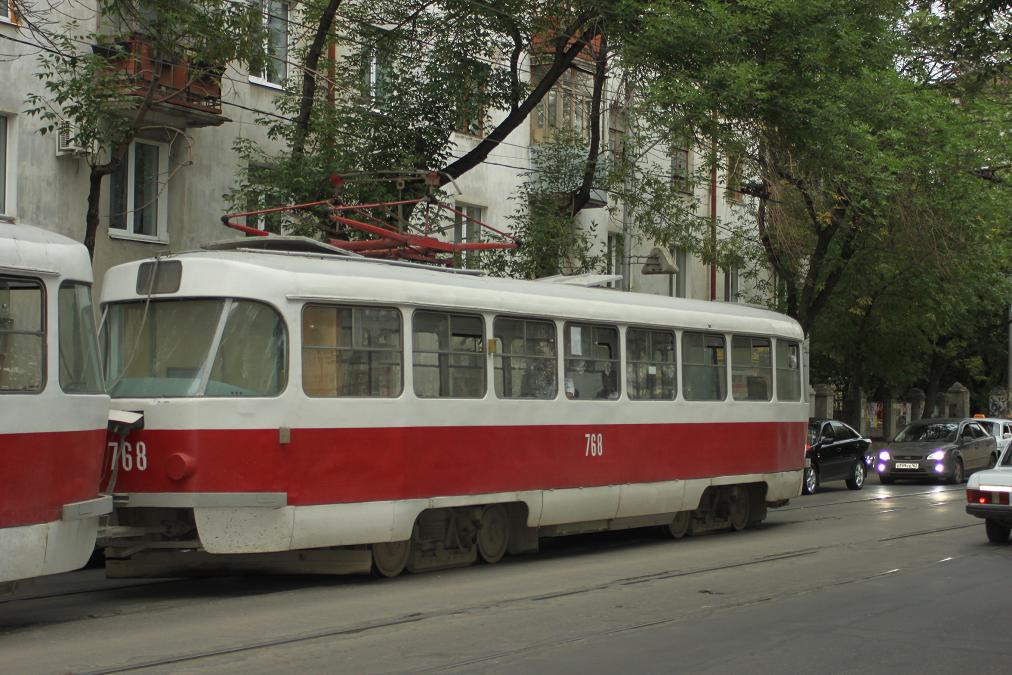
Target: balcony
[(182, 96)]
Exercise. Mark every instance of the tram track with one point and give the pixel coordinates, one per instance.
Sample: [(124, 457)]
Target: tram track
[(598, 545), (877, 498), (428, 616), (421, 617), (12, 599)]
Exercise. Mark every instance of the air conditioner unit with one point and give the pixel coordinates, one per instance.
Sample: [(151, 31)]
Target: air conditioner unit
[(65, 142)]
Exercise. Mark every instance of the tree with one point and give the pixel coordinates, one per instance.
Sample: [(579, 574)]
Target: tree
[(414, 72), (101, 86), (832, 130)]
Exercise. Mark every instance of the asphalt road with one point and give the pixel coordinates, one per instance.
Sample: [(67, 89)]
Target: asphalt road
[(888, 579)]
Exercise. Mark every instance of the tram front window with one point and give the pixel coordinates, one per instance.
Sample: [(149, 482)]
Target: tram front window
[(79, 369), (194, 348)]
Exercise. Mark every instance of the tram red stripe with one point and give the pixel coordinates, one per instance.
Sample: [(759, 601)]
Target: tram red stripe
[(40, 472), (322, 466)]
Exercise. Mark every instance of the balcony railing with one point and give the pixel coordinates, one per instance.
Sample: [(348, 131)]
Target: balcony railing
[(178, 82)]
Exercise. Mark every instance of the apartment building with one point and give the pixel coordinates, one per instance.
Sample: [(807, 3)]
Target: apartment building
[(169, 194)]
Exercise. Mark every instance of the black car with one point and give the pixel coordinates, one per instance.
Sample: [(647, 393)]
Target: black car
[(940, 449), (834, 452)]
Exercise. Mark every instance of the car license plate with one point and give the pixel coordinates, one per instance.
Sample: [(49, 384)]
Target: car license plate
[(907, 465)]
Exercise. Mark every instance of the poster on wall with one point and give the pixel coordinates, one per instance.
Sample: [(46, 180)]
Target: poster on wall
[(998, 403)]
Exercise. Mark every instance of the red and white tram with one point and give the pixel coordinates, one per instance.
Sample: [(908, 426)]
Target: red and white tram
[(53, 406), (421, 418)]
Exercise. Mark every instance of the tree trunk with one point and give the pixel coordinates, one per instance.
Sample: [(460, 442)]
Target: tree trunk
[(582, 196), (309, 74), (92, 217)]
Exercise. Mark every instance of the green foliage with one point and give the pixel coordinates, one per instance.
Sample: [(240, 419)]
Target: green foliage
[(407, 74)]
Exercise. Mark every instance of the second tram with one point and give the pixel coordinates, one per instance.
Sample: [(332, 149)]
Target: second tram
[(53, 406), (405, 417)]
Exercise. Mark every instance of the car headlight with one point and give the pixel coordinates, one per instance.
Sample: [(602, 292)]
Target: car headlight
[(937, 454), (884, 455)]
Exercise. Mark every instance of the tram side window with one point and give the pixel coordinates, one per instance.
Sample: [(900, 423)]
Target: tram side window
[(79, 369), (22, 335), (352, 351), (788, 371), (704, 367), (448, 355), (650, 368), (751, 368), (592, 361), (527, 365)]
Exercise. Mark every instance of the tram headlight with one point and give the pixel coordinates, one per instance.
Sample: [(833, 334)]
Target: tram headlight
[(885, 456)]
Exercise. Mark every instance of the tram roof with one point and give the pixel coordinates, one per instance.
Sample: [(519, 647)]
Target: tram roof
[(33, 249), (286, 276)]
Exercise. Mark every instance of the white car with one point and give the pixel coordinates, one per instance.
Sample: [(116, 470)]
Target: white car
[(987, 497), (999, 428)]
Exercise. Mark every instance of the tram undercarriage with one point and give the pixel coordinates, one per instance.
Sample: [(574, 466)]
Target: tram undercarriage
[(158, 542)]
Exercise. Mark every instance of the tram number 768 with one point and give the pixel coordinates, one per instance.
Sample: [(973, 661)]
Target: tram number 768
[(131, 456), (595, 445)]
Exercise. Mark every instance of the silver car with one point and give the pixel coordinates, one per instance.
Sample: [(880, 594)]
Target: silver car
[(941, 449), (1001, 429)]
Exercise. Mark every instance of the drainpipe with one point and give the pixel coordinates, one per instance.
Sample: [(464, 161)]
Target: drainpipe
[(713, 224)]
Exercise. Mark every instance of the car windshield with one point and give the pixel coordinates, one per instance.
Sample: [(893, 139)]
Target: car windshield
[(933, 431), (194, 348)]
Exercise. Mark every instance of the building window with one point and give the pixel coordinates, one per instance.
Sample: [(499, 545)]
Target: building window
[(449, 355), (7, 14), (3, 163), (351, 351), (680, 168), (467, 230), (592, 361), (788, 371), (22, 335), (616, 257), (751, 368), (567, 104), (274, 68), (650, 370), (376, 67), (137, 205), (471, 114), (526, 364), (704, 367), (735, 167), (731, 285), (269, 222)]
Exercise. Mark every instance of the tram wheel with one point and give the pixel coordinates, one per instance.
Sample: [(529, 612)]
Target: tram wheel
[(389, 558), (679, 525), (494, 533), (740, 509)]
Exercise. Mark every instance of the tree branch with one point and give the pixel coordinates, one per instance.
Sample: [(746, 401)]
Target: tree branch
[(559, 66)]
